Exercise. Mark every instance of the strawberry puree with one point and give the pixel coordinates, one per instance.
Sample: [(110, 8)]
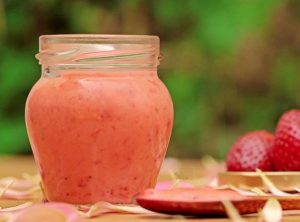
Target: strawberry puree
[(99, 135)]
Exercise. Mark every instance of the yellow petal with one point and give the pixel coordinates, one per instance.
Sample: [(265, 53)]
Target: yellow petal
[(270, 186), (272, 211), (232, 212)]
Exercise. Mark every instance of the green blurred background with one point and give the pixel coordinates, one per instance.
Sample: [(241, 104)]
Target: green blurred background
[(230, 65)]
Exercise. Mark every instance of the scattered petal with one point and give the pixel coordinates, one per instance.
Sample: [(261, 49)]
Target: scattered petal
[(175, 181), (170, 165), (208, 161), (212, 168), (97, 209), (271, 187), (5, 188), (272, 211), (16, 208), (232, 212), (173, 175), (259, 192), (105, 207), (33, 178), (198, 182), (130, 209), (18, 183), (214, 182), (19, 189), (243, 192), (21, 195), (58, 212), (297, 189), (238, 190)]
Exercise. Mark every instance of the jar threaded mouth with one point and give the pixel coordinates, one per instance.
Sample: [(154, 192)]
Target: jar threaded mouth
[(137, 51)]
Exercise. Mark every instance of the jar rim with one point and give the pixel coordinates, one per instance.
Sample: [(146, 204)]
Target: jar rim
[(104, 50), (96, 38)]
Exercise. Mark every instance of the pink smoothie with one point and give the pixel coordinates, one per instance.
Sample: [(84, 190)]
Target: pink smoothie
[(99, 135)]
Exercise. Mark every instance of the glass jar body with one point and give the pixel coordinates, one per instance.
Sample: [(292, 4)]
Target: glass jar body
[(99, 134)]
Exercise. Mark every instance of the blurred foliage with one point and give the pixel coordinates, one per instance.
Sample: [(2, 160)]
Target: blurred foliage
[(230, 65)]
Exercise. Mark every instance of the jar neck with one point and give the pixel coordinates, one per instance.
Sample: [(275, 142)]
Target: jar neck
[(98, 52), (54, 71)]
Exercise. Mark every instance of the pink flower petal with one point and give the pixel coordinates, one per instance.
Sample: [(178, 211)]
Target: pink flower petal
[(103, 207), (18, 183), (19, 189), (16, 208), (56, 212)]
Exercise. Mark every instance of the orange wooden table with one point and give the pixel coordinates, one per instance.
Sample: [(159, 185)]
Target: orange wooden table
[(15, 166)]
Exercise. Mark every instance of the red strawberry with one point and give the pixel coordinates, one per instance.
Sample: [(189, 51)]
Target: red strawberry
[(250, 152), (286, 150)]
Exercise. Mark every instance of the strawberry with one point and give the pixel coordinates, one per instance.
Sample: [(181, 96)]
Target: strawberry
[(250, 152), (286, 150)]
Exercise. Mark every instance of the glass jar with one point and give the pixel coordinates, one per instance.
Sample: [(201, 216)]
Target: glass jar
[(99, 119)]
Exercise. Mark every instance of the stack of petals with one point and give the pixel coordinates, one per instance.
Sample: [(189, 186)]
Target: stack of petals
[(19, 189)]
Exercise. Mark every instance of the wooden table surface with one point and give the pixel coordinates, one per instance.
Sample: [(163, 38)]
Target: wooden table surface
[(15, 166)]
